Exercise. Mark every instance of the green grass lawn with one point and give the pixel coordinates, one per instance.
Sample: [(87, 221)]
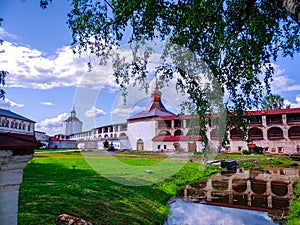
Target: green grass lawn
[(293, 217), (56, 183)]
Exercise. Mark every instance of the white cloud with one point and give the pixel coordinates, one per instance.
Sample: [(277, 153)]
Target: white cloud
[(293, 104), (4, 33), (6, 104), (94, 112), (31, 68), (48, 103), (52, 125), (194, 213), (281, 82), (125, 112)]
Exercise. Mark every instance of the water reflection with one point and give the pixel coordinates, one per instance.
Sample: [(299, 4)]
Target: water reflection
[(267, 190), (186, 213)]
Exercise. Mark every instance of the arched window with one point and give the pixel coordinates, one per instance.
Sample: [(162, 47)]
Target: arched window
[(255, 133), (178, 133), (213, 134), (12, 124), (294, 132), (23, 126), (28, 128), (122, 134), (16, 125), (3, 122), (164, 133), (234, 134), (275, 133), (20, 126)]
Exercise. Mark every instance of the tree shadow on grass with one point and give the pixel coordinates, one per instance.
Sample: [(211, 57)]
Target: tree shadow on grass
[(50, 189)]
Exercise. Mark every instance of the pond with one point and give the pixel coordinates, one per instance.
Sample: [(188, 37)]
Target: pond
[(253, 196)]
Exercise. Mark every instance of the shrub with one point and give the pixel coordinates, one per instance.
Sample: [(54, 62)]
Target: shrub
[(258, 150), (105, 144), (245, 152)]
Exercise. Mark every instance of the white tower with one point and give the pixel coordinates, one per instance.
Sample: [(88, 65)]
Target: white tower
[(72, 125)]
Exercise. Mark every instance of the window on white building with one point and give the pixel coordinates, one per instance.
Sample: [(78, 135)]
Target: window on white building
[(266, 149), (280, 149)]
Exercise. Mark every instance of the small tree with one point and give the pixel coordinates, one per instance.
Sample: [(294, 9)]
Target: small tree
[(105, 144), (2, 83), (272, 101), (258, 150), (2, 74)]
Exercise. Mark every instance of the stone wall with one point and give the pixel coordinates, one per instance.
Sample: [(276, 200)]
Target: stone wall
[(62, 144), (11, 176)]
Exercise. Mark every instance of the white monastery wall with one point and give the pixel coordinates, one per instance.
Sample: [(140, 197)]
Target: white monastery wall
[(143, 130)]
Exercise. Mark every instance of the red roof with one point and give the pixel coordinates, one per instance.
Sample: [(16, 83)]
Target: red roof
[(177, 138), (24, 137), (252, 113), (18, 142), (251, 145), (154, 109), (274, 111), (54, 139)]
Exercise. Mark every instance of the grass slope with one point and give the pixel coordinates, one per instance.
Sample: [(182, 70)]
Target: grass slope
[(57, 183)]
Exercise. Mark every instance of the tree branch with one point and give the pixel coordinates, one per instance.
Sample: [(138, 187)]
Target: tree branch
[(292, 7)]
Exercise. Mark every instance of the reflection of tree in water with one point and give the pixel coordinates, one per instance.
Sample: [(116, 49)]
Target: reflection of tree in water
[(280, 219)]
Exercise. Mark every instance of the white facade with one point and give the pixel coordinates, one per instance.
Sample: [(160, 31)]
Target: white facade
[(14, 123), (72, 125), (157, 129), (140, 135)]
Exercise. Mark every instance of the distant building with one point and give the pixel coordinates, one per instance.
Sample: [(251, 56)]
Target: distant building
[(11, 122), (72, 125), (42, 137), (157, 129), (153, 129)]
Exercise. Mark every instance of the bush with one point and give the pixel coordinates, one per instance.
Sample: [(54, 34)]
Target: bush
[(245, 152), (105, 144), (258, 150)]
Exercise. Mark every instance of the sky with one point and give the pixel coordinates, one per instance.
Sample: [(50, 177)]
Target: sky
[(46, 80), (195, 213)]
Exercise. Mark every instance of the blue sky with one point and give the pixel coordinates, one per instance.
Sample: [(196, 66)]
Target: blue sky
[(45, 76), (195, 213)]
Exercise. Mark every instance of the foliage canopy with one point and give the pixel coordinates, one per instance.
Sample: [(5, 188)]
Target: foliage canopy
[(272, 101), (236, 40)]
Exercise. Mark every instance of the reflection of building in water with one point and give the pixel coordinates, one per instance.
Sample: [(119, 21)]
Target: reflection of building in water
[(268, 190)]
